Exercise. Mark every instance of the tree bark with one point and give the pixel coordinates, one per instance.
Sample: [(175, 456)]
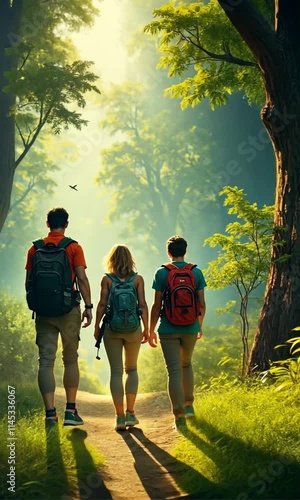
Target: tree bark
[(281, 115), (10, 15), (277, 53)]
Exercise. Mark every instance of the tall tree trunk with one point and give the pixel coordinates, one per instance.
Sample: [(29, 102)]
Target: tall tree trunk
[(281, 115), (277, 52), (9, 28)]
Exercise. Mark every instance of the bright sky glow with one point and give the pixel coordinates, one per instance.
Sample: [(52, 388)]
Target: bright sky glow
[(102, 44)]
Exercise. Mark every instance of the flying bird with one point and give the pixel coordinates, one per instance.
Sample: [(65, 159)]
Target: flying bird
[(74, 187)]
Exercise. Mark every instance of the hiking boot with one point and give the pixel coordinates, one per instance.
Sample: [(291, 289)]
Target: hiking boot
[(130, 419), (180, 424), (72, 418), (120, 424), (189, 411)]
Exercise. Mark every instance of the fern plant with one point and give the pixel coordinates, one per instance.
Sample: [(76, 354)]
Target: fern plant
[(287, 371)]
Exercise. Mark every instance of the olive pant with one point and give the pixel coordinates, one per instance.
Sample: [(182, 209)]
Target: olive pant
[(47, 331), (115, 344), (177, 351)]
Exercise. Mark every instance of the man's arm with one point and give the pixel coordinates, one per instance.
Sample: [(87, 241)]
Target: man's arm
[(202, 307), (140, 284), (154, 316), (28, 272), (85, 290), (28, 265)]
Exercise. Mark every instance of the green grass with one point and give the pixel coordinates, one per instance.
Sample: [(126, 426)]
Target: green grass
[(47, 465), (243, 444)]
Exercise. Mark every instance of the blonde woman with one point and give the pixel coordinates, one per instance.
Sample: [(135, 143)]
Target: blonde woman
[(121, 269)]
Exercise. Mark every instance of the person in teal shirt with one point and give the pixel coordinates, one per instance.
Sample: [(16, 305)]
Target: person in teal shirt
[(177, 341)]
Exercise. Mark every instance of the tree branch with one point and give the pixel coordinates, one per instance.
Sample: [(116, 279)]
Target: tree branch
[(219, 57), (24, 61), (253, 28), (20, 134), (37, 130), (26, 192)]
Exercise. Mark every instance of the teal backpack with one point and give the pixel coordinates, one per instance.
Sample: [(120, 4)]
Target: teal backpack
[(123, 313)]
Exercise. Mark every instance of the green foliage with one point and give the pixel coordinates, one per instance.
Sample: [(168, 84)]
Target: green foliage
[(47, 94), (49, 82), (33, 179), (153, 168), (243, 443), (18, 352), (152, 371), (216, 354), (244, 258), (200, 36), (286, 372), (27, 395), (73, 14), (53, 466)]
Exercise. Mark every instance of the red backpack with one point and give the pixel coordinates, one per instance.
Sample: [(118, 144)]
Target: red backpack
[(180, 297)]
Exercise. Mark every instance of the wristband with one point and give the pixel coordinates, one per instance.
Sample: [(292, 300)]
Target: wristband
[(88, 306)]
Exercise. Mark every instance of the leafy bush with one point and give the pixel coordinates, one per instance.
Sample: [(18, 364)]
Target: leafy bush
[(18, 352), (286, 372)]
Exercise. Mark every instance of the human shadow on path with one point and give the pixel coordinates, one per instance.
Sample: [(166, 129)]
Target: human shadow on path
[(90, 482), (56, 479), (247, 478), (159, 471)]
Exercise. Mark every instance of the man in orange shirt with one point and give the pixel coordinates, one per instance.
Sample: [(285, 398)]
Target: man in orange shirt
[(68, 325)]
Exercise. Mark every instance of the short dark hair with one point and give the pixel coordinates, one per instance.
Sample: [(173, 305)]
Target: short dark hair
[(57, 217), (176, 246)]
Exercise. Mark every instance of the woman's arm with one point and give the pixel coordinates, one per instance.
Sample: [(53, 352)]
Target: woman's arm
[(85, 290), (102, 304), (140, 286), (155, 313)]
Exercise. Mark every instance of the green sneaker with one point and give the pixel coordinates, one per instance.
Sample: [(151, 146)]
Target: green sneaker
[(130, 419), (120, 424), (189, 411), (72, 418), (180, 424)]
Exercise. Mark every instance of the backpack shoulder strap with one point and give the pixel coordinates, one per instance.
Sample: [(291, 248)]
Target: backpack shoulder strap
[(65, 241), (113, 277), (39, 244), (190, 266), (130, 279), (169, 266)]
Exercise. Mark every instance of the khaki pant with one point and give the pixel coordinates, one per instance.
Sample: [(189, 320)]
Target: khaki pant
[(115, 344), (178, 349), (47, 331)]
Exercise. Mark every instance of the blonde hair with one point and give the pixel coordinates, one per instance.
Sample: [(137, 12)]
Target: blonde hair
[(119, 261)]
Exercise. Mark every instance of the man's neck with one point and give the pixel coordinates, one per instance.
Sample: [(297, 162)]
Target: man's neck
[(177, 259), (58, 230)]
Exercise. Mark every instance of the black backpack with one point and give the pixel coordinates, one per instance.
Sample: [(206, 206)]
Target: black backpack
[(50, 290)]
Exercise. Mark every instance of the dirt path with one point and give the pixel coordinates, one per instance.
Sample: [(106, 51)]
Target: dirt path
[(137, 463)]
